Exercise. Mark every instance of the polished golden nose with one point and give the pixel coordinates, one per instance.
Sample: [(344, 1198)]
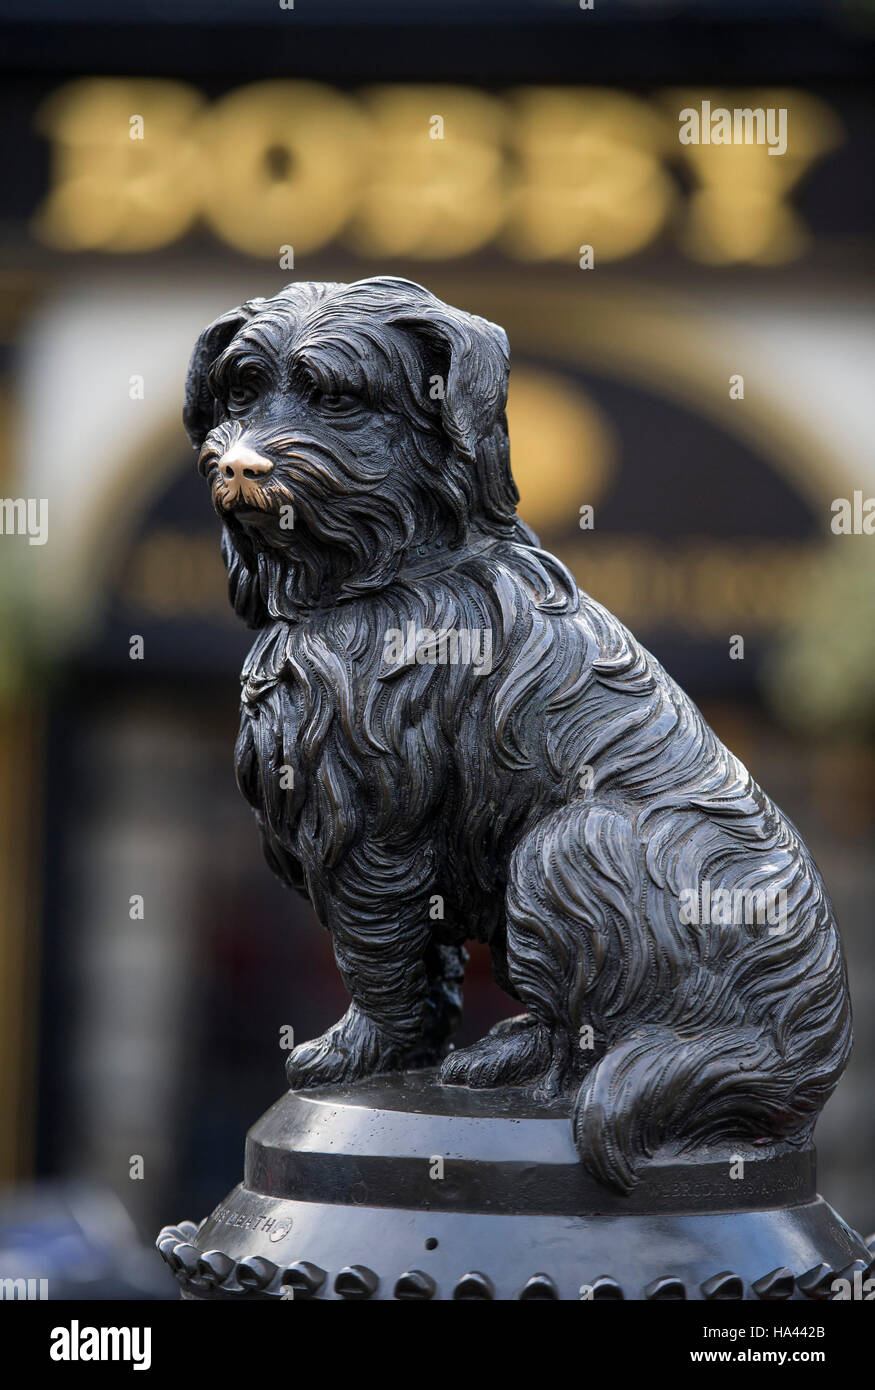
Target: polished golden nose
[(240, 463)]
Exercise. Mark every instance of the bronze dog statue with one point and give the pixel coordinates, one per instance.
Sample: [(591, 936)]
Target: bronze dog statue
[(444, 739)]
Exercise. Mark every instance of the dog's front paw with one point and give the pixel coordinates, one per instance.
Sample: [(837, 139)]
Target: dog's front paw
[(353, 1048), (514, 1054)]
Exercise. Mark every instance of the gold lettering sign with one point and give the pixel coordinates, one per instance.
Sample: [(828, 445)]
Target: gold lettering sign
[(704, 588), (437, 187), (112, 192), (423, 171), (591, 174), (285, 161), (739, 209)]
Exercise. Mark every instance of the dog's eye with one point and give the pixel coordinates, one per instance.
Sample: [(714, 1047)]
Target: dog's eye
[(338, 402), (241, 396)]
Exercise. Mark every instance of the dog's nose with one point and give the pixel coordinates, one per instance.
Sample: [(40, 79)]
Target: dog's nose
[(241, 462)]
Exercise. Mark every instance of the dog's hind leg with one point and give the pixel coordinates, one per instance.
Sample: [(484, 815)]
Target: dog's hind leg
[(566, 876), (500, 974), (513, 1051)]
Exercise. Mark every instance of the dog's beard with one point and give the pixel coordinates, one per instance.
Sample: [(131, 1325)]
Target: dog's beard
[(326, 524), (356, 518)]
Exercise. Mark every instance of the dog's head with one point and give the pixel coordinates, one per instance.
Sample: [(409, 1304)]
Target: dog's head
[(344, 428)]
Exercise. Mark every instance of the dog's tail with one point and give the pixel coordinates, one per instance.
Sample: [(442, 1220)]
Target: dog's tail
[(657, 1084), (721, 1036), (731, 1082)]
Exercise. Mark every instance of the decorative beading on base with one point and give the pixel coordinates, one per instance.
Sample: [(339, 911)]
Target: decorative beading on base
[(402, 1189)]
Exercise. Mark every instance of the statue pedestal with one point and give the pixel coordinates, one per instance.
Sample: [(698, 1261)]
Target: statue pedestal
[(400, 1188)]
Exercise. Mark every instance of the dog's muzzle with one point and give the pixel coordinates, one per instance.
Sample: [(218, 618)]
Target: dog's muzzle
[(241, 472)]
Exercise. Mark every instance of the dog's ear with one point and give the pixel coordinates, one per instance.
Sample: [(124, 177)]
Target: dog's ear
[(197, 412), (477, 360)]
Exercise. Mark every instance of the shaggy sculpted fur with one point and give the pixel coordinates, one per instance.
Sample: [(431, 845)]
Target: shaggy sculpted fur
[(558, 800)]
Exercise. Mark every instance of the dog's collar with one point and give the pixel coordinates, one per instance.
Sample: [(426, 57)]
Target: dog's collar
[(436, 561)]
